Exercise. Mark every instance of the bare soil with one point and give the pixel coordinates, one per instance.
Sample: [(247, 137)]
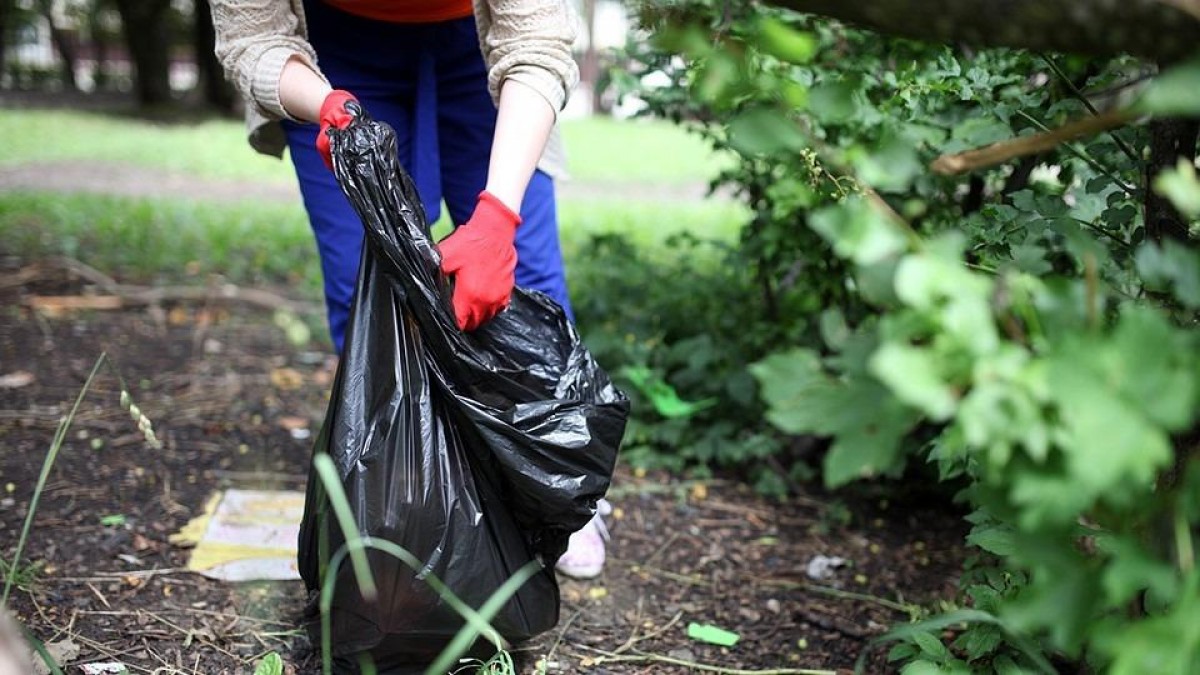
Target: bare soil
[(226, 391)]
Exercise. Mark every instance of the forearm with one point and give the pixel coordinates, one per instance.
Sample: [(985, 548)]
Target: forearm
[(302, 91), (523, 124)]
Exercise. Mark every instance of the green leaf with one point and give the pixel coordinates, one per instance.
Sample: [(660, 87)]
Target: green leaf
[(764, 131), (997, 539), (930, 645), (1181, 187), (891, 165), (859, 231), (833, 102), (114, 520), (913, 375), (1175, 92), (712, 635), (784, 42), (270, 664), (1171, 266), (872, 445), (922, 668)]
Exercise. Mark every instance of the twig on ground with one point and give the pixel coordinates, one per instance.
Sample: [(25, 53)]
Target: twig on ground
[(839, 593), (646, 657), (665, 545), (638, 567), (634, 639), (120, 295)]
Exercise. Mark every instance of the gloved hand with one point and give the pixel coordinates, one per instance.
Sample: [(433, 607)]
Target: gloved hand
[(333, 116), (482, 258)]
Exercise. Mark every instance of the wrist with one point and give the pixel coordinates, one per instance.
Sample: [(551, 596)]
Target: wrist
[(497, 214)]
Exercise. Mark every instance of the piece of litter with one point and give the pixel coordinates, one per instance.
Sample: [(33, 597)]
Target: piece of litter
[(822, 567), (106, 668), (245, 535), (712, 635), (16, 380), (301, 434)]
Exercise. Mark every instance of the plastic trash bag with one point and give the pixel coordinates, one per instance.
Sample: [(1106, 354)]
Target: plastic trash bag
[(477, 452)]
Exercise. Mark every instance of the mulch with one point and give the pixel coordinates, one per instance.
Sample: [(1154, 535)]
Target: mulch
[(232, 400)]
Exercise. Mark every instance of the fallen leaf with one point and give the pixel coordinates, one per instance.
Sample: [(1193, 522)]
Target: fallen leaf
[(597, 592), (291, 422), (287, 379), (699, 492), (16, 380)]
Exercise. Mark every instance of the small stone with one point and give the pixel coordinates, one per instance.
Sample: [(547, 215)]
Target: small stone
[(773, 606)]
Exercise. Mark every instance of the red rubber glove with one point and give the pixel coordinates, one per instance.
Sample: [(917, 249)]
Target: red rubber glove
[(333, 116), (482, 258)]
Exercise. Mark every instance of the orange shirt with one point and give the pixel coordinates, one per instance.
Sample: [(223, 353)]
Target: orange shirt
[(406, 11)]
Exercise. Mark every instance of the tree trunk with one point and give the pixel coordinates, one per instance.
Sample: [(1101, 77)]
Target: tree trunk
[(218, 92), (99, 41), (1170, 141), (62, 44), (146, 38), (589, 65), (6, 11), (1156, 29)]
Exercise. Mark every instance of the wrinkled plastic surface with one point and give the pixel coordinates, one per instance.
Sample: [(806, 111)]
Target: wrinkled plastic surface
[(477, 452)]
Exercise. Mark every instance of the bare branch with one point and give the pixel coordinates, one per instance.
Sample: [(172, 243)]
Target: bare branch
[(1162, 30)]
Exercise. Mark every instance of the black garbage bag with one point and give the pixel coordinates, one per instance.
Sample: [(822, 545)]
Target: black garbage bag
[(477, 452)]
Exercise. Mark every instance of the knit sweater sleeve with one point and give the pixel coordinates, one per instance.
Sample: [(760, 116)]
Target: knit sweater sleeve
[(529, 41), (254, 39)]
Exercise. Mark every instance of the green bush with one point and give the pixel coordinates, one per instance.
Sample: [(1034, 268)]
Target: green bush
[(1022, 329)]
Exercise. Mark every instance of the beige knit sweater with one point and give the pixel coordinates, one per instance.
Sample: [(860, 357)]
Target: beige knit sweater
[(524, 40)]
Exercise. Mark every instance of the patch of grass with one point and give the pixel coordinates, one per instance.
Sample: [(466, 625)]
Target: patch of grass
[(606, 150), (173, 240), (598, 149), (168, 240), (210, 149)]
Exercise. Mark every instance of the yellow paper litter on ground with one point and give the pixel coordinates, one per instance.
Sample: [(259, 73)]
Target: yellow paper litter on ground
[(245, 535)]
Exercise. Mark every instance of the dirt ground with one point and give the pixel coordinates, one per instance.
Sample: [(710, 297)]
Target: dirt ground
[(227, 391)]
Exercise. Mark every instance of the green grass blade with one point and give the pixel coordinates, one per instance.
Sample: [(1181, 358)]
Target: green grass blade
[(477, 622), (341, 510), (40, 648), (467, 634), (47, 464)]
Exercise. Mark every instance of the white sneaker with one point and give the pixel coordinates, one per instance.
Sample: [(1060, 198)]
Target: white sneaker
[(585, 554)]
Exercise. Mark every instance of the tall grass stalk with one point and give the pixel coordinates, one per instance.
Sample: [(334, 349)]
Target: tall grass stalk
[(47, 464), (355, 546)]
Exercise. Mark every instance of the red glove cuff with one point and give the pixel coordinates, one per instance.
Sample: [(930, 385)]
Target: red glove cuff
[(495, 214), (333, 109), (333, 116)]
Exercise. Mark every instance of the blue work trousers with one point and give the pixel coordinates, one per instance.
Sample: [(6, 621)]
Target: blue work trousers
[(429, 82)]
